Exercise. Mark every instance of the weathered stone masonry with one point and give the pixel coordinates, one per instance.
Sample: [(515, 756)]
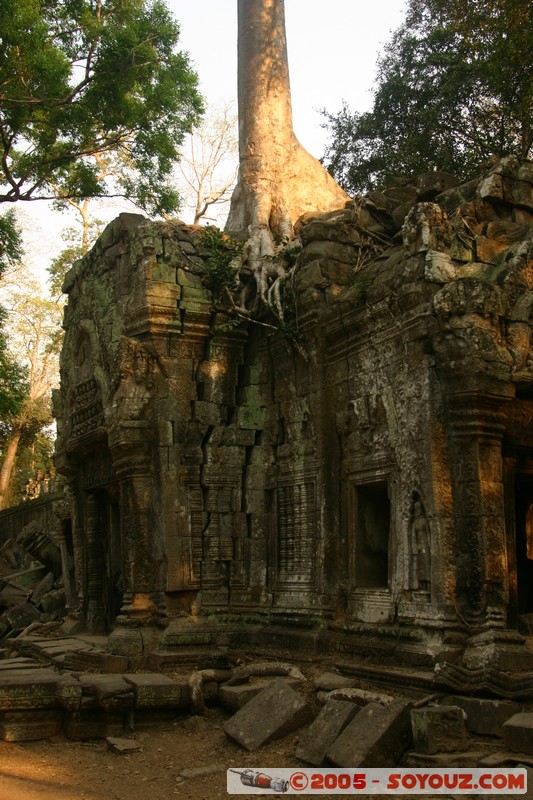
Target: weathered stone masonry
[(379, 492)]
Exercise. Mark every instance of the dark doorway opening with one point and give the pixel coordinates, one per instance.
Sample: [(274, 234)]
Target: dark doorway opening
[(372, 533)]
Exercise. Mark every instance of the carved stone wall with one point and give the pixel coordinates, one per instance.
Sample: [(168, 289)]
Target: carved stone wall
[(378, 488)]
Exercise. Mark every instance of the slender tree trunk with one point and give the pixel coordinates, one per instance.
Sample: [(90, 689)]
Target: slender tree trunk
[(278, 179), (8, 465)]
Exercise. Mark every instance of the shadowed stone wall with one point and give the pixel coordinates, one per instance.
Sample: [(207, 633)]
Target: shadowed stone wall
[(379, 490)]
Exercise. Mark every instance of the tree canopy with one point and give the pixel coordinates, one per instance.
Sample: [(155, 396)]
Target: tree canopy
[(80, 78), (454, 88)]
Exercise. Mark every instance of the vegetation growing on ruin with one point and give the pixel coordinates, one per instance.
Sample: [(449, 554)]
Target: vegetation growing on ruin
[(454, 88)]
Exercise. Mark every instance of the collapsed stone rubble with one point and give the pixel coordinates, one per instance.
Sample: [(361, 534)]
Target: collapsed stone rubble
[(369, 728), (31, 581)]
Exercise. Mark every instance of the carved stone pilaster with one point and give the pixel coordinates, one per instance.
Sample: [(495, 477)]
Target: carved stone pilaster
[(477, 418), (95, 568)]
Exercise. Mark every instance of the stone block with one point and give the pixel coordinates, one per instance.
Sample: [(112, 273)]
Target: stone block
[(519, 193), (19, 617), (310, 275), (92, 724), (28, 725), (112, 692), (439, 729), (272, 714), (53, 601), (431, 184), (11, 594), (69, 693), (123, 746), (334, 250), (489, 251), (250, 417), (322, 733), (338, 271), (28, 579), (518, 733), (376, 737), (491, 188), (485, 716), (235, 697), (154, 691), (43, 587), (439, 267), (28, 689)]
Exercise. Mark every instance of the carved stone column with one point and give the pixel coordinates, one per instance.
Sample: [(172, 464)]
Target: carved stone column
[(477, 425), (95, 568), (140, 550)]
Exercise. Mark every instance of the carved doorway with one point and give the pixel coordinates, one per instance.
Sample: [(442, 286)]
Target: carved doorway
[(104, 557)]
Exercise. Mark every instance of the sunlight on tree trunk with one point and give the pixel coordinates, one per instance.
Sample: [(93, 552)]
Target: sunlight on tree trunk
[(8, 465), (278, 179), (34, 332)]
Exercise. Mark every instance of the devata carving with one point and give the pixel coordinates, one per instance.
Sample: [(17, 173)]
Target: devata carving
[(420, 547)]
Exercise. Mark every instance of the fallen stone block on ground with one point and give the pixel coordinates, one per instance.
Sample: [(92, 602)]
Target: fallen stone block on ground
[(518, 733), (28, 689), (272, 714), (110, 692), (376, 737), (235, 697), (439, 729), (326, 728), (123, 746), (156, 691), (485, 716)]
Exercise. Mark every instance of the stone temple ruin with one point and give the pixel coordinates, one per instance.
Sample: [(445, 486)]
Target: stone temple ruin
[(374, 496), (367, 491)]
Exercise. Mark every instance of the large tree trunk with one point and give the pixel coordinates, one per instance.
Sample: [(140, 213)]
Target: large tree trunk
[(278, 179), (8, 465)]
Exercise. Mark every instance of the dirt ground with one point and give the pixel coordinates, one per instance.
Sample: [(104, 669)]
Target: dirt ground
[(66, 770), (61, 769)]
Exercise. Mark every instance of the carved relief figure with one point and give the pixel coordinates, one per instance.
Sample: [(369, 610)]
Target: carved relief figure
[(136, 376), (420, 548)]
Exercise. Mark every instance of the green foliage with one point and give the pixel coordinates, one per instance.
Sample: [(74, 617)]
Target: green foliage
[(288, 332), (455, 87), (86, 77), (287, 252), (13, 384), (360, 284), (220, 267), (34, 455), (60, 265), (10, 240), (13, 380), (74, 250)]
